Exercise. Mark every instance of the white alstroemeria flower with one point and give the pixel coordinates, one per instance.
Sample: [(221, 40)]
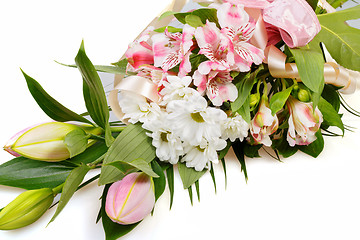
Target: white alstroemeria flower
[(193, 120), (168, 145), (235, 127), (176, 88), (137, 108), (200, 157)]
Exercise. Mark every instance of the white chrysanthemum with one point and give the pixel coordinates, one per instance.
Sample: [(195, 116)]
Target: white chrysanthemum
[(176, 88), (200, 157), (193, 120), (168, 145), (235, 127), (136, 107)]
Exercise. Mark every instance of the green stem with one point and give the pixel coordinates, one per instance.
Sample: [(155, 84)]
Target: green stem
[(58, 189), (117, 129), (97, 161), (96, 137)]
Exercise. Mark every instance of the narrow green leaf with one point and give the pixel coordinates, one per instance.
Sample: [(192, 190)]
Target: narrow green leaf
[(76, 142), (223, 152), (313, 3), (316, 147), (244, 90), (278, 100), (331, 95), (189, 175), (132, 143), (213, 176), (190, 195), (252, 151), (224, 167), (311, 68), (94, 95), (30, 174), (113, 230), (102, 68), (194, 21), (170, 180), (330, 115), (159, 182), (169, 28), (71, 184), (91, 154), (49, 105), (197, 186), (244, 110), (238, 148)]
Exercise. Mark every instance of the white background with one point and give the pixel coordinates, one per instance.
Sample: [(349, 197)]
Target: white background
[(301, 198)]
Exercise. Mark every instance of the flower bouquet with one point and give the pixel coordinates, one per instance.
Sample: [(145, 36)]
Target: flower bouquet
[(228, 76)]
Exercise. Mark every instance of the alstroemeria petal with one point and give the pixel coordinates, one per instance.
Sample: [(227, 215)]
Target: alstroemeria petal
[(230, 15)]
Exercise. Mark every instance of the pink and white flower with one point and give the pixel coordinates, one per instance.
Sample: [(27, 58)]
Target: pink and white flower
[(140, 51), (304, 122), (217, 84), (171, 49), (263, 124)]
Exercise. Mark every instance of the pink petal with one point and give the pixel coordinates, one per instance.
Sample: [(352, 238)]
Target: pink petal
[(200, 81), (207, 35), (139, 54), (187, 38), (185, 65), (162, 47), (230, 15)]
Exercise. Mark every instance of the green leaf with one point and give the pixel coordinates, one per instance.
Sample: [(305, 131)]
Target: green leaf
[(94, 95), (330, 115), (330, 95), (71, 184), (189, 175), (197, 187), (103, 68), (49, 105), (204, 14), (132, 143), (213, 176), (244, 110), (76, 142), (313, 3), (138, 164), (238, 148), (91, 154), (314, 148), (194, 21), (113, 231), (341, 40), (252, 151), (283, 147), (30, 174), (244, 90), (170, 180), (169, 28), (278, 100), (190, 195), (160, 182), (223, 152), (224, 167), (310, 64), (167, 14)]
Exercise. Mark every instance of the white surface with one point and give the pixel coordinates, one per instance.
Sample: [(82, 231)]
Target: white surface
[(302, 198)]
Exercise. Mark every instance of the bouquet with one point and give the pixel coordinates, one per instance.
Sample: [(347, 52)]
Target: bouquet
[(229, 76)]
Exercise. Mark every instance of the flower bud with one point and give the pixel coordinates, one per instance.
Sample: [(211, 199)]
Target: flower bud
[(263, 124), (304, 95), (26, 208), (44, 141), (254, 100), (131, 199), (304, 122)]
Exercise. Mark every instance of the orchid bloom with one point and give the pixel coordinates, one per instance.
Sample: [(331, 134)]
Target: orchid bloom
[(304, 122), (217, 84), (263, 124), (239, 28), (170, 49), (140, 51)]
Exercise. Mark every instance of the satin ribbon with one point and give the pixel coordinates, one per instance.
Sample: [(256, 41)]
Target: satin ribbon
[(333, 73)]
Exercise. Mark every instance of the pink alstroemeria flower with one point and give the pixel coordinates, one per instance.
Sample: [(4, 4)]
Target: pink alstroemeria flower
[(216, 82), (304, 122), (170, 49), (263, 124), (239, 28), (140, 51), (214, 45)]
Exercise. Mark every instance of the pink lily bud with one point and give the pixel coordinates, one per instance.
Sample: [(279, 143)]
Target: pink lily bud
[(44, 141), (304, 122), (131, 199), (263, 124)]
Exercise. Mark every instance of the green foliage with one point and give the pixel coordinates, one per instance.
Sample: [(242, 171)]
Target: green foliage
[(170, 180), (341, 40), (132, 143), (189, 175), (313, 3), (72, 182), (330, 115), (252, 151), (76, 142), (160, 181), (134, 165), (94, 94), (283, 147), (49, 105), (314, 148), (209, 14), (279, 99), (238, 148), (194, 21)]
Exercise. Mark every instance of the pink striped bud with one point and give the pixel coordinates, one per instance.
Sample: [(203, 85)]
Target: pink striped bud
[(131, 199)]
